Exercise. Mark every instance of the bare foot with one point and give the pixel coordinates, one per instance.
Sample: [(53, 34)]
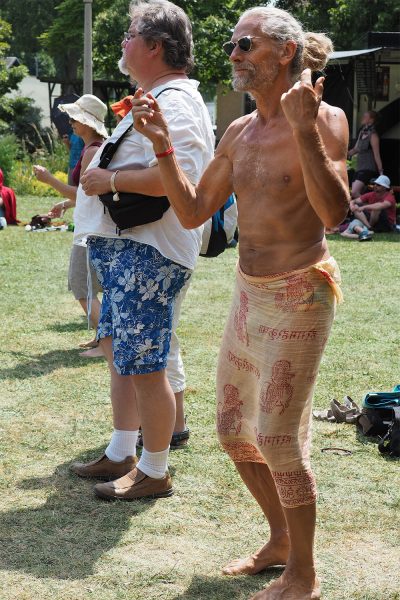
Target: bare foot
[(90, 344), (96, 352), (270, 555), (286, 588)]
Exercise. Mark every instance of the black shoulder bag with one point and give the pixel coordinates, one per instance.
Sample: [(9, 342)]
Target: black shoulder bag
[(129, 209)]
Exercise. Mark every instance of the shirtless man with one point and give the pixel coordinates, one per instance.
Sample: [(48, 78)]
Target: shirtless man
[(287, 164)]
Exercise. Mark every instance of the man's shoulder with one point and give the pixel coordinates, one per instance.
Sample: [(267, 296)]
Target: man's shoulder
[(239, 124), (329, 112)]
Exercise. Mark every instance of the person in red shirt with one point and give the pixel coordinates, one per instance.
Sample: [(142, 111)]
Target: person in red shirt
[(376, 209), (8, 203)]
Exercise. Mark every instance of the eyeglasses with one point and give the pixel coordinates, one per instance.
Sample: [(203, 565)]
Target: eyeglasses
[(244, 43), (129, 36)]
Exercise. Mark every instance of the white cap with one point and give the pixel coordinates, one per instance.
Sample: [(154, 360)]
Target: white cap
[(383, 180)]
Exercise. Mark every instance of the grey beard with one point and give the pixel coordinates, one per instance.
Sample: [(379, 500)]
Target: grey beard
[(264, 76), (122, 66)]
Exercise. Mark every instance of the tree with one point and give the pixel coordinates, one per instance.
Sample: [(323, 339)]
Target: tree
[(9, 77), (25, 40), (210, 30), (346, 21)]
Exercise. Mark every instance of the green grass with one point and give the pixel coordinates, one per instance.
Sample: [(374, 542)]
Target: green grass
[(59, 542)]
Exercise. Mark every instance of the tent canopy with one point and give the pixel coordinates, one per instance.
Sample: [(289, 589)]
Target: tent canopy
[(351, 53)]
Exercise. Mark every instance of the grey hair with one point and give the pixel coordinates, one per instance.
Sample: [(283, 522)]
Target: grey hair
[(313, 49), (160, 20)]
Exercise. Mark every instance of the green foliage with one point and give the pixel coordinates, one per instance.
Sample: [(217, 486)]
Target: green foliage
[(9, 150), (9, 78), (24, 182), (211, 28), (378, 17), (26, 122), (52, 154), (346, 21)]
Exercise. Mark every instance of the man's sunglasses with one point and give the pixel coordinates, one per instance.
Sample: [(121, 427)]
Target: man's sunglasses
[(244, 44)]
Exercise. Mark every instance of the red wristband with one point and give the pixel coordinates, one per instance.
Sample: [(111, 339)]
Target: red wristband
[(170, 150)]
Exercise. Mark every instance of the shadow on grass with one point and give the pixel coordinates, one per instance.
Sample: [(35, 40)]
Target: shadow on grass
[(70, 327), (374, 441), (65, 536), (42, 364), (215, 588)]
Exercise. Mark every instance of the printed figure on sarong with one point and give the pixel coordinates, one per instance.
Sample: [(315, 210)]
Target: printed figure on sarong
[(299, 295), (277, 394), (229, 415), (240, 320)]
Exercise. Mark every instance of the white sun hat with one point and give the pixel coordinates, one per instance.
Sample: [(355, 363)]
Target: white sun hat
[(383, 181), (89, 110)]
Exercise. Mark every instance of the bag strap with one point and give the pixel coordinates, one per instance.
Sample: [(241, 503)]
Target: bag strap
[(387, 444), (111, 148)]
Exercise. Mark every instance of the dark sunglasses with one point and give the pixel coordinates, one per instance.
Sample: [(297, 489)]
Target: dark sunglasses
[(244, 44)]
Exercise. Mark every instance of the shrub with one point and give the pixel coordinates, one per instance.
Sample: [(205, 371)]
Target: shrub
[(25, 183), (9, 150)]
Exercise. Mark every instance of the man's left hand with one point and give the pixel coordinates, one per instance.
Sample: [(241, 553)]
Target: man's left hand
[(301, 103), (96, 181)]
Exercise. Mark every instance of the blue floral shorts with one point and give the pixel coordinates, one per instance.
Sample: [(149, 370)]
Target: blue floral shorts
[(139, 288)]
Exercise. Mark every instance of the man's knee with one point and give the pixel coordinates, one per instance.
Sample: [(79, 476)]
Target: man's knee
[(240, 451), (295, 487)]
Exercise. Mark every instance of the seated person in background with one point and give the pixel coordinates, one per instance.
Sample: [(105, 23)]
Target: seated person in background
[(369, 162), (121, 108), (8, 203), (375, 210)]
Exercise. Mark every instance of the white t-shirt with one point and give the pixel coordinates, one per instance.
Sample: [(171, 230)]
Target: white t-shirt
[(193, 139)]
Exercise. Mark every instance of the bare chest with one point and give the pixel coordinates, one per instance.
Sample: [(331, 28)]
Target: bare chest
[(266, 163)]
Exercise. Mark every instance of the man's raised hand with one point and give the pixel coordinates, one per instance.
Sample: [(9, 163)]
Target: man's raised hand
[(148, 118), (300, 104)]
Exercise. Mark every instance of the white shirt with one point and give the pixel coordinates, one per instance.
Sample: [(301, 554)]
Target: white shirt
[(193, 140)]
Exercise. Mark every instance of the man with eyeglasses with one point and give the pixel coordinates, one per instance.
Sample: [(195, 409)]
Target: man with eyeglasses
[(144, 270), (286, 162)]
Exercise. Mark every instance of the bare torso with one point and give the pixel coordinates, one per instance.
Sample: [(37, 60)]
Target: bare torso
[(279, 230)]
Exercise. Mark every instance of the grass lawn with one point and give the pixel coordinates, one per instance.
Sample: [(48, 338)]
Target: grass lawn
[(59, 542)]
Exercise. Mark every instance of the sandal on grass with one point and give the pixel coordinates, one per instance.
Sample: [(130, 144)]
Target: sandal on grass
[(348, 412), (324, 415)]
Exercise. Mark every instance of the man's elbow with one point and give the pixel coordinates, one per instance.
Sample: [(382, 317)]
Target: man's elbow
[(189, 222)]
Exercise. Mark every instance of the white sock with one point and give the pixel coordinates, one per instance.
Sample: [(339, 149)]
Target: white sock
[(154, 464), (122, 444)]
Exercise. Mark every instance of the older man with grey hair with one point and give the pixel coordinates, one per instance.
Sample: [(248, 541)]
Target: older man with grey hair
[(286, 162), (144, 268)]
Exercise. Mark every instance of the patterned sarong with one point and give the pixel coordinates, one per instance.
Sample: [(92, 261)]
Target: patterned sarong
[(268, 364)]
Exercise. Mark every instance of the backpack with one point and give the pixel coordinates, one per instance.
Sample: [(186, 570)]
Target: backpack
[(220, 229), (380, 417), (390, 443)]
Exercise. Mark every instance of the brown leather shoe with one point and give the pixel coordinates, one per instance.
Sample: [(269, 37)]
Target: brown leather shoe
[(135, 485), (104, 468)]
